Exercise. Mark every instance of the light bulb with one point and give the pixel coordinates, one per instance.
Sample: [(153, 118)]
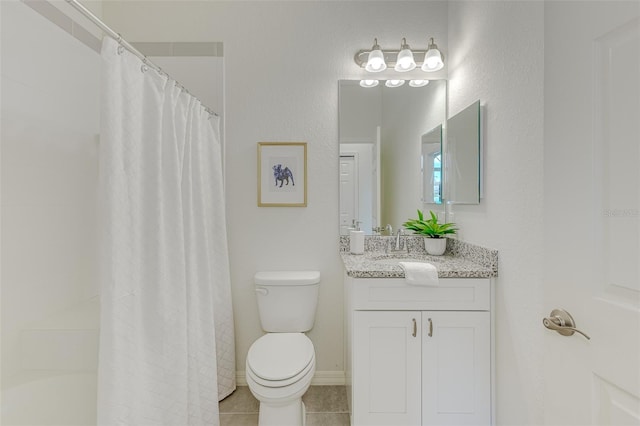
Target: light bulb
[(369, 83), (418, 83), (375, 62), (433, 60), (405, 61), (394, 83)]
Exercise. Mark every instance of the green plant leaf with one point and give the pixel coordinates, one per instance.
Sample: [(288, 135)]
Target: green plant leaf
[(430, 227)]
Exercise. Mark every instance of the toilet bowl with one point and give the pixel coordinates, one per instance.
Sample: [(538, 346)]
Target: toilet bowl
[(281, 364), (279, 369)]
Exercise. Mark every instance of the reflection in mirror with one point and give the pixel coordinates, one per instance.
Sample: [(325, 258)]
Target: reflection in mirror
[(381, 133), (432, 166), (463, 156)]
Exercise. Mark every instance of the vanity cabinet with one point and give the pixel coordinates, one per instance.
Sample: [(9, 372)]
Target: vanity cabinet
[(419, 355)]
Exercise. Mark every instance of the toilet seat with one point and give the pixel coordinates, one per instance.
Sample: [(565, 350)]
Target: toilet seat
[(280, 359)]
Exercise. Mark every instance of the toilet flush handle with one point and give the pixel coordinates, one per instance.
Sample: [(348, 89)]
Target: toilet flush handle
[(262, 290)]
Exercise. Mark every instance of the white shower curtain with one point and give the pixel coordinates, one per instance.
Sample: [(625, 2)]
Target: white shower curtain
[(166, 339)]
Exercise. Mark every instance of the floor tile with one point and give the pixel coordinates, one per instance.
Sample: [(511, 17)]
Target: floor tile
[(239, 419), (326, 399), (327, 419), (325, 406), (240, 401)]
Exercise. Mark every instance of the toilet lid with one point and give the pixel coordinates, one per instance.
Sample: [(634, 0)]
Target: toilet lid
[(280, 356)]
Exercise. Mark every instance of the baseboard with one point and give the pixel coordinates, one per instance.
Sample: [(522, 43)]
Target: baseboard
[(320, 378), (328, 378)]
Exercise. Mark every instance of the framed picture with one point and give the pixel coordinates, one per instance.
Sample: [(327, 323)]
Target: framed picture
[(282, 174)]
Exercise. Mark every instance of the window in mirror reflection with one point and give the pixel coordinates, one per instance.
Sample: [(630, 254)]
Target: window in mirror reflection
[(432, 166), (434, 176), (437, 179)]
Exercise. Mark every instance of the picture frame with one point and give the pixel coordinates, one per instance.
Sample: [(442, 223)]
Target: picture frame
[(282, 174)]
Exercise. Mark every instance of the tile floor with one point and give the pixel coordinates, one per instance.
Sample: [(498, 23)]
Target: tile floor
[(326, 406)]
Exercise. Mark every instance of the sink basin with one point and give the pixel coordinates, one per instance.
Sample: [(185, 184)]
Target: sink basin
[(391, 259)]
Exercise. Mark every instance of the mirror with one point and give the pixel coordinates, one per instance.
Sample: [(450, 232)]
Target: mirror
[(463, 156), (387, 136)]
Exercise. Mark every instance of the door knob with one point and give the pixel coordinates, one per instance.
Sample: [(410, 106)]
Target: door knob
[(562, 322)]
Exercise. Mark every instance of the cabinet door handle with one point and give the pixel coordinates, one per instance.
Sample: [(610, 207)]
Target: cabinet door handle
[(430, 328), (415, 328)]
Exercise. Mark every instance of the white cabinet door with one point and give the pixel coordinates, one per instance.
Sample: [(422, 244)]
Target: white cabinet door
[(456, 368), (386, 368)]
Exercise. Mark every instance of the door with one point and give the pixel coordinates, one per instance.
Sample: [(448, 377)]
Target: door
[(386, 368), (592, 211), (348, 192), (456, 368)]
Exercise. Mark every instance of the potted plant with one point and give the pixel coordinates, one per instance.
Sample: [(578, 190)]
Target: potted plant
[(435, 241)]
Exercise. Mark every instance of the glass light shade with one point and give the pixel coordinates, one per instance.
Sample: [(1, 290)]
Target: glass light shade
[(432, 61), (418, 83), (394, 83), (376, 62), (369, 83), (405, 61)]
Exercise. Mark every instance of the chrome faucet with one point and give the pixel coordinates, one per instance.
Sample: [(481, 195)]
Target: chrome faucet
[(400, 243)]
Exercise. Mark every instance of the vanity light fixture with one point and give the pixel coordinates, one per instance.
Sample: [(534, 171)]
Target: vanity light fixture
[(433, 59), (375, 61), (394, 83), (403, 60), (418, 83), (369, 83)]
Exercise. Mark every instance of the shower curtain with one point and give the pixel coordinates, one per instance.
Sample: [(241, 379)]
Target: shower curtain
[(166, 339)]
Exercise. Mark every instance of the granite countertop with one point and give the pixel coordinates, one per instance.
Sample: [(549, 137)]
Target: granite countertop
[(461, 260)]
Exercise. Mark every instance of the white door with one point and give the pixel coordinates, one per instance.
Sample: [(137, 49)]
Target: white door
[(456, 368), (592, 211), (348, 192), (386, 368)]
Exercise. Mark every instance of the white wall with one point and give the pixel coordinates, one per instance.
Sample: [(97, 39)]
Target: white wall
[(50, 123), (283, 61), (496, 55)]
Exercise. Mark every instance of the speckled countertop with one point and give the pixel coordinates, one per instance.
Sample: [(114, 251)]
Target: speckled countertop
[(461, 260)]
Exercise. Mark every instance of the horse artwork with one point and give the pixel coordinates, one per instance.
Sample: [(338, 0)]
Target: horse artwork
[(282, 175)]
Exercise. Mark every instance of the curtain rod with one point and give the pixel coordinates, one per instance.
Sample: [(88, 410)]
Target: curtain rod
[(105, 28)]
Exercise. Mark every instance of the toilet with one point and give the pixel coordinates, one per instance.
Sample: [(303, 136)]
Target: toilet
[(281, 364)]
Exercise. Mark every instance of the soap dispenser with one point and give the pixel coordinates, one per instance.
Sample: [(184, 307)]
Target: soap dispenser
[(356, 240)]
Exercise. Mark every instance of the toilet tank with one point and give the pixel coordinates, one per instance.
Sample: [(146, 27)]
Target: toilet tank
[(287, 300)]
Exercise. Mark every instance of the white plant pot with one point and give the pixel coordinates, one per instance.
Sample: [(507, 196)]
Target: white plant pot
[(435, 246)]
